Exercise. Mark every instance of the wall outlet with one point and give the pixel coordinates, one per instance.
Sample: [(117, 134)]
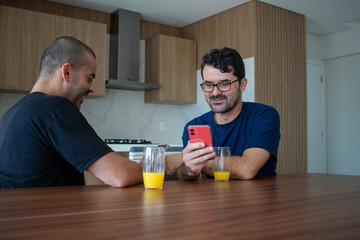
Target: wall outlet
[(162, 126)]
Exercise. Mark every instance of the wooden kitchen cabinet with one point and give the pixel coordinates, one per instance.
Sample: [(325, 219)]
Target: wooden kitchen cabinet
[(39, 29), (29, 33), (171, 62), (10, 47)]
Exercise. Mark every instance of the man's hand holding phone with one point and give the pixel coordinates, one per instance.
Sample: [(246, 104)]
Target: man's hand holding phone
[(198, 150)]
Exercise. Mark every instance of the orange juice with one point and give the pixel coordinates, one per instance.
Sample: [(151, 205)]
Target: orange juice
[(153, 180), (221, 176)]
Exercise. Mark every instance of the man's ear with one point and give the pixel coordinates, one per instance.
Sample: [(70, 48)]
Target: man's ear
[(243, 83), (67, 71)]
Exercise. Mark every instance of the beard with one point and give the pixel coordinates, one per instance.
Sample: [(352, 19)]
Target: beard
[(76, 94), (228, 105)]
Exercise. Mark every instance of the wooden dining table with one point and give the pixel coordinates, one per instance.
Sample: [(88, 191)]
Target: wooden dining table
[(305, 206)]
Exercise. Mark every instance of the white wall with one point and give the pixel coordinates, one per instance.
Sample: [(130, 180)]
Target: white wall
[(313, 47), (342, 43), (123, 114), (340, 52), (343, 114), (7, 100)]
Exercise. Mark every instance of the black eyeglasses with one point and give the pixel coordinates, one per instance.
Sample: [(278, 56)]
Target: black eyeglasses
[(222, 86)]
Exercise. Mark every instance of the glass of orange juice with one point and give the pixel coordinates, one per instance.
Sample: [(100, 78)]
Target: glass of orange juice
[(222, 163), (154, 167)]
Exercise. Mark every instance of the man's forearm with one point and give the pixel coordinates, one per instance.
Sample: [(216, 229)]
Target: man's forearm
[(247, 166), (116, 171), (185, 173), (239, 168)]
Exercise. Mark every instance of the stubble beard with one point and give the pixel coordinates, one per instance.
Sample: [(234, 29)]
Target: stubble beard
[(228, 106), (74, 92)]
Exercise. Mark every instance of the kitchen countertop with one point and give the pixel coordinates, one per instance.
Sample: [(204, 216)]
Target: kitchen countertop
[(126, 147)]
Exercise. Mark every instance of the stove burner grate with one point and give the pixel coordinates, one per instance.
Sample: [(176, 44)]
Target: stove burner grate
[(127, 141)]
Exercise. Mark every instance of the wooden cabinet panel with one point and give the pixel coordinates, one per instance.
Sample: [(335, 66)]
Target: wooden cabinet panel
[(28, 33), (60, 9), (149, 30), (93, 35), (233, 28), (39, 29), (10, 47), (171, 61), (280, 70)]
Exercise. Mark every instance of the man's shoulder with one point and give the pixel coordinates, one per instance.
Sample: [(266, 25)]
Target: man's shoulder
[(258, 106), (40, 106), (262, 113), (42, 96), (40, 100)]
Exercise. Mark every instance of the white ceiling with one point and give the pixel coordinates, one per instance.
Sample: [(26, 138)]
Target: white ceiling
[(322, 16)]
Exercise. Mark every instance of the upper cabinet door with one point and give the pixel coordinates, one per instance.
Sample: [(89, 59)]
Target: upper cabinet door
[(171, 61), (24, 36), (94, 35), (39, 29), (10, 47)]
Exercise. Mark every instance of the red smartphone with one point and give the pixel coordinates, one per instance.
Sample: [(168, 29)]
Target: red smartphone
[(200, 133)]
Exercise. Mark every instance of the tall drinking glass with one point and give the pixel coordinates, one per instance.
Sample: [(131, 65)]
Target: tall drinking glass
[(222, 163), (154, 167)]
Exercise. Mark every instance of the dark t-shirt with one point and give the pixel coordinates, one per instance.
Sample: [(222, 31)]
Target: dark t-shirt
[(46, 141), (257, 126)]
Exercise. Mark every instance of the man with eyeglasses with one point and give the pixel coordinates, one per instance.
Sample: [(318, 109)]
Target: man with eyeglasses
[(251, 130)]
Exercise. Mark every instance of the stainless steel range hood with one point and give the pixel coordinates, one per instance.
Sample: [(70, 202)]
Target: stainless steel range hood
[(125, 53)]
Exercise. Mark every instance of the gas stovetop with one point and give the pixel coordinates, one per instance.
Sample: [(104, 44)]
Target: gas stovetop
[(127, 141)]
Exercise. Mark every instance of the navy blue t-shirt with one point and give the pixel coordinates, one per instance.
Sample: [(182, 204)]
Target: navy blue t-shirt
[(257, 126), (46, 141)]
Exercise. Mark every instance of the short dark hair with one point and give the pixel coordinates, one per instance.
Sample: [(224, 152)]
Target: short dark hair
[(222, 59), (62, 50)]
